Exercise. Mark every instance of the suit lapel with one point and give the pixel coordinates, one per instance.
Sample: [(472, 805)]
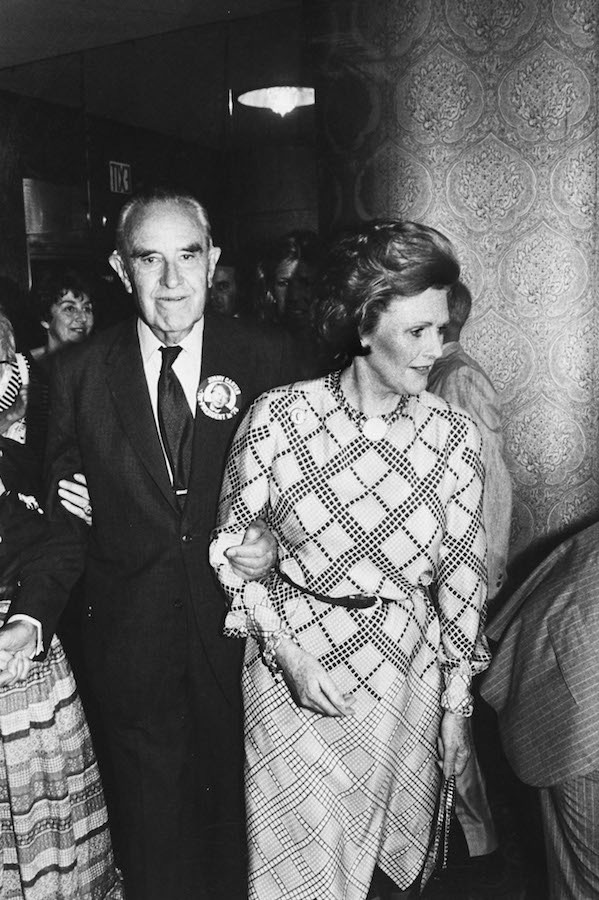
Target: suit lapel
[(127, 384), (217, 359)]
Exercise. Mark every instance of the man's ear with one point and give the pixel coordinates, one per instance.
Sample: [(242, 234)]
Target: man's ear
[(116, 261), (213, 255), (45, 324)]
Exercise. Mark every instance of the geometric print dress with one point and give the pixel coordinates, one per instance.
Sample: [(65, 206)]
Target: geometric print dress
[(329, 798)]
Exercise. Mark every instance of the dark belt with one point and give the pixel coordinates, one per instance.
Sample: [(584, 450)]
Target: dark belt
[(350, 601)]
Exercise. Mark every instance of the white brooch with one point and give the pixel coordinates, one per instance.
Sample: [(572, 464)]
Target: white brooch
[(218, 397), (298, 414)]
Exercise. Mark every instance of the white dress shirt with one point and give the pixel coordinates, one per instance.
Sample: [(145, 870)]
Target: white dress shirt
[(186, 367)]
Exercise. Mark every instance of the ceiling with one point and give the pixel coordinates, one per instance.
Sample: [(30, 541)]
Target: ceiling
[(37, 29), (166, 65)]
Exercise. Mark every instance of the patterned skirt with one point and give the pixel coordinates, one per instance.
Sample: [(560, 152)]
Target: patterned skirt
[(54, 843), (330, 798)]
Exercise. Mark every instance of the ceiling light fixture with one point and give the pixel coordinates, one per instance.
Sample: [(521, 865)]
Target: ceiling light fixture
[(280, 100)]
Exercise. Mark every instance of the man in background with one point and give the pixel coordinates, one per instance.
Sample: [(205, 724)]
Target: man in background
[(225, 296), (543, 683), (460, 380)]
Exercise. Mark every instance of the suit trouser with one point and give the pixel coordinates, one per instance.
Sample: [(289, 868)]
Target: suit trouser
[(473, 810), (180, 831), (570, 813)]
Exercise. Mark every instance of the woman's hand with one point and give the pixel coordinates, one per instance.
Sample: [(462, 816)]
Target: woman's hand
[(74, 496), (310, 684), (14, 412), (454, 743)]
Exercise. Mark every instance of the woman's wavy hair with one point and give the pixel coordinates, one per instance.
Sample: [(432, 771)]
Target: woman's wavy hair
[(368, 267), (55, 285)]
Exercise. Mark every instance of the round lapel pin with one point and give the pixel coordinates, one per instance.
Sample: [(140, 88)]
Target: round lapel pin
[(218, 397)]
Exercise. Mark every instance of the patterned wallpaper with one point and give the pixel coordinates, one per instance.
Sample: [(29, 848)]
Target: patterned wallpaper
[(480, 117)]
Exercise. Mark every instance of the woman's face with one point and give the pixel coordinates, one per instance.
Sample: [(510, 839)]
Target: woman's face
[(283, 275), (71, 320), (408, 338), (300, 293)]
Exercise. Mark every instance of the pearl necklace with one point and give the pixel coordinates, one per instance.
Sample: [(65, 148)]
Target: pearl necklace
[(372, 427)]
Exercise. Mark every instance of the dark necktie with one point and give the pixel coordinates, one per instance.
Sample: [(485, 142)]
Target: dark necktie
[(176, 422)]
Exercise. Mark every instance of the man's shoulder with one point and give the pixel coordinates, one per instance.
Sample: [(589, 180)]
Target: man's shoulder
[(96, 347), (263, 357), (242, 331)]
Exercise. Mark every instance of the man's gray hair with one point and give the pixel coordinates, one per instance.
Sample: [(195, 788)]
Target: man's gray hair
[(157, 195)]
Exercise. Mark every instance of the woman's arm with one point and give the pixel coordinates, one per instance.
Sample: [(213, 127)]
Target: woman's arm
[(245, 498), (462, 570)]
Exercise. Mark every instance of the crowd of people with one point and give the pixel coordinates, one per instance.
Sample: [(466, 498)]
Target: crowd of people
[(284, 506)]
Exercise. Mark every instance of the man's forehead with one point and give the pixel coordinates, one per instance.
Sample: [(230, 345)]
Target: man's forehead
[(161, 218)]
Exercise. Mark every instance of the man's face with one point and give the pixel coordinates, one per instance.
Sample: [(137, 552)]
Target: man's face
[(223, 293), (168, 266)]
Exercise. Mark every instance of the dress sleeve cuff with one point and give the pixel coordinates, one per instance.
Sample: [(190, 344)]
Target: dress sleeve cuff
[(456, 697)]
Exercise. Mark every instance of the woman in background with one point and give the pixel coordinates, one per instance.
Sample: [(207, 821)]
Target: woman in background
[(284, 294), (66, 313), (55, 840), (363, 642), (276, 272)]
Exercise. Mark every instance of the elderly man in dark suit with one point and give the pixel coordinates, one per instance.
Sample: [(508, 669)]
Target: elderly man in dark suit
[(129, 411), (544, 684)]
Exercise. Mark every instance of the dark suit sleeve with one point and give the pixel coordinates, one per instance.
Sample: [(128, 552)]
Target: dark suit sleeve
[(56, 562)]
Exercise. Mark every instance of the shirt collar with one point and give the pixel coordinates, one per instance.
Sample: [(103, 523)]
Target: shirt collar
[(149, 343), (451, 347)]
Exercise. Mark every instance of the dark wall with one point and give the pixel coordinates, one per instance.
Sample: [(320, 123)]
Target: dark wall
[(60, 145)]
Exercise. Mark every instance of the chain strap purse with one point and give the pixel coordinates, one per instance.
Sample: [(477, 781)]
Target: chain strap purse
[(438, 853)]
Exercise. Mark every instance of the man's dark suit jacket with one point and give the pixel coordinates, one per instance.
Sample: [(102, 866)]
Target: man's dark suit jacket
[(544, 678), (146, 560)]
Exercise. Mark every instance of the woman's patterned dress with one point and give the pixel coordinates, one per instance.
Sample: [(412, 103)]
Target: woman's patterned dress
[(328, 798)]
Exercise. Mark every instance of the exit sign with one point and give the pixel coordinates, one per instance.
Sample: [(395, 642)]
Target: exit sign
[(120, 177)]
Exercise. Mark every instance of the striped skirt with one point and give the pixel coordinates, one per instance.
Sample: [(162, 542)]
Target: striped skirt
[(55, 843)]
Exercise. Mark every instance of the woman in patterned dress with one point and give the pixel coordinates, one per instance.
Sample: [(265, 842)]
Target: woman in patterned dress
[(355, 683), (54, 837)]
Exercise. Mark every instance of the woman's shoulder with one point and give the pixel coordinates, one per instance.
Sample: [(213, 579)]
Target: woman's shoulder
[(438, 406), (454, 417), (297, 390), (280, 401)]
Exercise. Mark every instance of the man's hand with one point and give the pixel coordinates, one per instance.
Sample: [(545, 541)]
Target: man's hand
[(74, 496), (310, 684), (454, 743), (18, 642), (256, 555)]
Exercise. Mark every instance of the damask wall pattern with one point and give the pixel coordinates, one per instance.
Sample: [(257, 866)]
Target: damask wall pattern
[(480, 117)]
